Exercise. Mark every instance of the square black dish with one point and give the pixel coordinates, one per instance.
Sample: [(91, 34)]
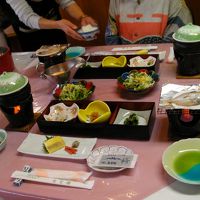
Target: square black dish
[(111, 72), (111, 129)]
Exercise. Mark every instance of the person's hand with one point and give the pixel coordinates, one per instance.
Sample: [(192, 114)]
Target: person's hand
[(85, 20), (69, 29)]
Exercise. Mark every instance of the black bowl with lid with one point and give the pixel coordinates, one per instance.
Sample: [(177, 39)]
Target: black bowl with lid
[(186, 42), (16, 99)]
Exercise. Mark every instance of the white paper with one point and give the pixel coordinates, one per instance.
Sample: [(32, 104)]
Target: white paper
[(135, 48), (177, 191), (24, 60), (54, 181), (79, 176), (118, 161)]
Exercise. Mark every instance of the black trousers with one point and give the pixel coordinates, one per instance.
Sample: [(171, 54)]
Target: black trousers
[(31, 41)]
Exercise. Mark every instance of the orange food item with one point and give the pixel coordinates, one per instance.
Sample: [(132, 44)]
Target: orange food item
[(94, 115)]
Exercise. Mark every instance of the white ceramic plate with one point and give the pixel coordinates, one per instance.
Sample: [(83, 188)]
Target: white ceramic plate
[(107, 150), (94, 64), (124, 113), (33, 145), (138, 61), (181, 160)]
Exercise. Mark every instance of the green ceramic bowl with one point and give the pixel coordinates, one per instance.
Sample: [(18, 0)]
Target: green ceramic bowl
[(188, 33), (181, 160)]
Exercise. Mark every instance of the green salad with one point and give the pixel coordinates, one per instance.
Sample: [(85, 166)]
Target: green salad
[(138, 81), (74, 92)]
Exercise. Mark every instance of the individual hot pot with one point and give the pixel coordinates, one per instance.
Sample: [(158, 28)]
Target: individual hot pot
[(51, 55), (16, 99), (186, 42)]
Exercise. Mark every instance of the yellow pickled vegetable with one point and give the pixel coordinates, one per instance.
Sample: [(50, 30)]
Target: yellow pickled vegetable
[(54, 144)]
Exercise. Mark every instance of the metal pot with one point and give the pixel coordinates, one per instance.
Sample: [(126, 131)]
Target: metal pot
[(61, 71), (52, 55)]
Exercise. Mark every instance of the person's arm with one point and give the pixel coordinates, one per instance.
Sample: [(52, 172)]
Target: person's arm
[(76, 12), (33, 20), (111, 34), (25, 13), (179, 15)]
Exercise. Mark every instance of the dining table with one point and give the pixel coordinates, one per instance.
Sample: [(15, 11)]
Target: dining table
[(147, 180)]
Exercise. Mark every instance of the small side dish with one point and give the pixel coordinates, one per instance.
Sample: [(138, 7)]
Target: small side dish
[(132, 117), (91, 64), (138, 61), (111, 61), (96, 112), (137, 81), (74, 91), (61, 112)]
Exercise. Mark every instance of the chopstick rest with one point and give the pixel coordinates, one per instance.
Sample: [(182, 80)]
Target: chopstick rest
[(18, 181)]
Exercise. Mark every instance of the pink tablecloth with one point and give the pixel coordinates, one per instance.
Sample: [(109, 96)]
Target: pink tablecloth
[(147, 177)]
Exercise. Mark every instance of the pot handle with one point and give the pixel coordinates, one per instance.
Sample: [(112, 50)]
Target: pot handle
[(42, 74)]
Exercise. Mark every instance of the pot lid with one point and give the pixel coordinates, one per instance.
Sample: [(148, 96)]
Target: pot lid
[(51, 50), (188, 33), (11, 82)]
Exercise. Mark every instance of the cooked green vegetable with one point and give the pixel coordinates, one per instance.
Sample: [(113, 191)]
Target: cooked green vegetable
[(132, 120)]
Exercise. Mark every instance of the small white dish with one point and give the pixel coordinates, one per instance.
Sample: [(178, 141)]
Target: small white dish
[(62, 113), (181, 160), (94, 64), (143, 116), (33, 145), (107, 150), (3, 139), (138, 61)]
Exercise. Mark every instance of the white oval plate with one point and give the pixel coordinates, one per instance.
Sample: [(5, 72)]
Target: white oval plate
[(107, 150)]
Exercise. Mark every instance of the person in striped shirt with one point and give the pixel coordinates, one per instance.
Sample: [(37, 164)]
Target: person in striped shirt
[(145, 21)]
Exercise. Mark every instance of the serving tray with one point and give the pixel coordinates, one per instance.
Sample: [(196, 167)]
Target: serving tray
[(111, 129), (111, 72)]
